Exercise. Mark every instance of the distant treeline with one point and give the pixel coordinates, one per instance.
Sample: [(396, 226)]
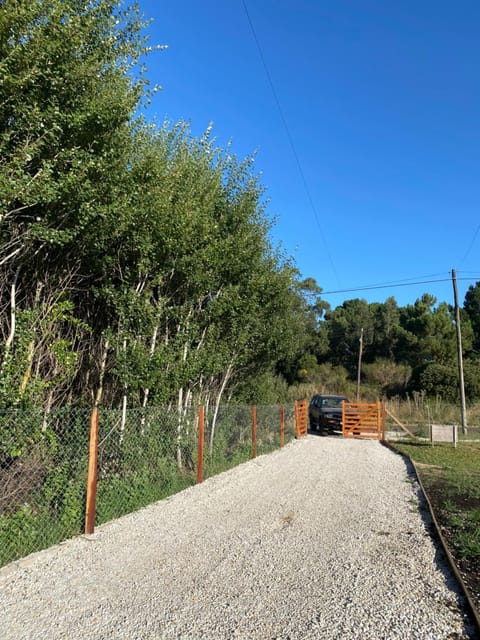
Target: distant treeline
[(405, 349)]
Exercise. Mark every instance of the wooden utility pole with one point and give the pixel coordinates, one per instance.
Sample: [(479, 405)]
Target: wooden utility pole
[(463, 407), (359, 372)]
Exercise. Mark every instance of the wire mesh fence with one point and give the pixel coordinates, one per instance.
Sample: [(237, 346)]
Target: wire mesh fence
[(43, 471), (143, 455), (268, 433), (228, 434)]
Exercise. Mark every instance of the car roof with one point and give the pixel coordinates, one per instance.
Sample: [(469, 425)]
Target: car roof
[(329, 395)]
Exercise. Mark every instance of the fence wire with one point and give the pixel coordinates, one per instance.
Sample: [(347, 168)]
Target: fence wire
[(268, 427), (43, 472), (144, 455)]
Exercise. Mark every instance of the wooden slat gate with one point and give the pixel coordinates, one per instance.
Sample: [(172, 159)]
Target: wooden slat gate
[(301, 418), (363, 420)]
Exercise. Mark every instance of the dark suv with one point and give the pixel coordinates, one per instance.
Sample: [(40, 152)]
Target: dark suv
[(325, 412)]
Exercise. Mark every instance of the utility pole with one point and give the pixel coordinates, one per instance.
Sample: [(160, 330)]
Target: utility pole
[(359, 363), (463, 407)]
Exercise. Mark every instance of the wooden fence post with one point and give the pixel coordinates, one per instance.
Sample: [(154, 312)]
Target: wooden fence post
[(92, 473), (282, 425), (254, 431), (201, 442), (296, 419)]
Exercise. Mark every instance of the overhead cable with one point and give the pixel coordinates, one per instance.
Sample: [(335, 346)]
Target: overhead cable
[(467, 253), (290, 139), (387, 286)]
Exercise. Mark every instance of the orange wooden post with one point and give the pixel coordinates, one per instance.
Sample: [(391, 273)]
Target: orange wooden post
[(381, 420), (282, 425), (254, 431), (296, 420), (92, 473), (201, 442)]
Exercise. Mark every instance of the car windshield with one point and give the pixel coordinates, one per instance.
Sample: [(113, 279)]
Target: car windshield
[(332, 402)]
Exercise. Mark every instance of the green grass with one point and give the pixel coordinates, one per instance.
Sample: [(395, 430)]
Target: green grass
[(451, 477), (458, 467)]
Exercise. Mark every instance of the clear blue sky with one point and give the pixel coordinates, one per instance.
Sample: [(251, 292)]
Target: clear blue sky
[(381, 100)]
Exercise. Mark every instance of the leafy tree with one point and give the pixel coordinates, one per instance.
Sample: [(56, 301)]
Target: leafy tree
[(344, 325), (472, 308), (471, 372), (396, 340), (428, 333), (312, 342), (67, 104), (436, 379), (68, 96), (386, 321), (198, 300)]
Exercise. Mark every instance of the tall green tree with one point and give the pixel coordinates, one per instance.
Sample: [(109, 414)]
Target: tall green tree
[(386, 323), (344, 325), (198, 299), (67, 103), (69, 92), (312, 342), (472, 308), (429, 333)]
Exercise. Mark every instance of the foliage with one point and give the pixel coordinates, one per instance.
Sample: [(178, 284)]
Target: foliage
[(404, 349), (136, 264), (436, 379), (472, 310), (386, 376)]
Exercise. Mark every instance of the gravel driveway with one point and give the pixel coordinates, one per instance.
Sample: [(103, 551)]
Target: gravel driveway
[(323, 539)]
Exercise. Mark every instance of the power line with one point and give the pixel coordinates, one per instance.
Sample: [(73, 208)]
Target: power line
[(386, 286), (467, 253), (408, 280), (290, 139)]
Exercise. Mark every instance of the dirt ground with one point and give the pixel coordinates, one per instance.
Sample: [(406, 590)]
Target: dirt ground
[(469, 569)]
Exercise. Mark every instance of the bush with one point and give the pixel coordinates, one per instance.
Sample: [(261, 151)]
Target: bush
[(436, 380), (387, 377)]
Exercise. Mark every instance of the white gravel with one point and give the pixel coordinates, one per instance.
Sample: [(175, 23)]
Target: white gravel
[(323, 539)]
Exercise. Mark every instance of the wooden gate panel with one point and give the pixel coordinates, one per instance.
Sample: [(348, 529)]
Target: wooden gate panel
[(363, 420), (301, 418)]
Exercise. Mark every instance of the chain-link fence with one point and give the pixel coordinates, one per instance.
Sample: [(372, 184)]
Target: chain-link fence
[(43, 472), (143, 456), (228, 434)]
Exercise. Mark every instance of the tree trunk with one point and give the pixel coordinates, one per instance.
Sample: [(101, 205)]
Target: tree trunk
[(48, 408), (146, 391), (226, 378), (28, 372), (179, 428), (13, 323), (124, 401), (103, 365)]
